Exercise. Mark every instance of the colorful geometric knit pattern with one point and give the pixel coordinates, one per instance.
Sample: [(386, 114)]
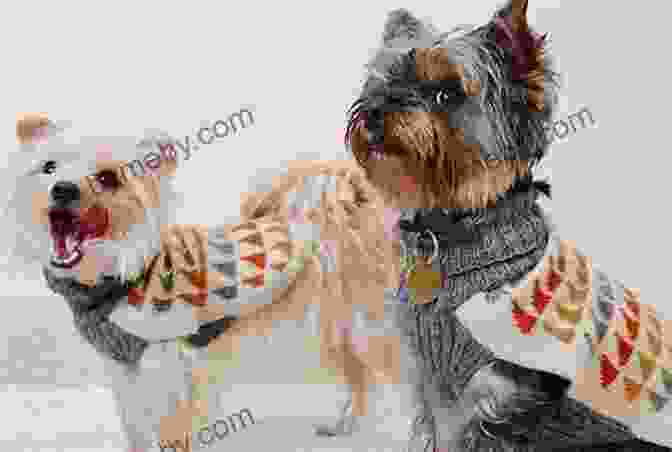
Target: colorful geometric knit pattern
[(627, 342), (253, 265), (177, 274), (260, 248), (258, 254), (253, 254)]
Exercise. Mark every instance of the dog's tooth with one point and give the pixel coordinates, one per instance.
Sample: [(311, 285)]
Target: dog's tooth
[(70, 244)]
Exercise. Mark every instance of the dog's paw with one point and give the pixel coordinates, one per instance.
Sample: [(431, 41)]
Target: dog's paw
[(424, 444), (345, 426), (422, 435)]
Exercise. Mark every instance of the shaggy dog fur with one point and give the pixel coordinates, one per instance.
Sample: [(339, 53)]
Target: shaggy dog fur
[(450, 128), (93, 226)]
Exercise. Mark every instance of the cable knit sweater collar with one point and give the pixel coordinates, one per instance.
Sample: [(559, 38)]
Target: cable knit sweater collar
[(480, 250)]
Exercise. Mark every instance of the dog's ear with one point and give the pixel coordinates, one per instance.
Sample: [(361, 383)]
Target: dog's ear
[(526, 47), (402, 25), (167, 149), (169, 156), (32, 127), (163, 149), (517, 11), (529, 76)]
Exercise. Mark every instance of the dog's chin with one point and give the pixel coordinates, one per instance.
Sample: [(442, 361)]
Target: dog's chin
[(71, 231)]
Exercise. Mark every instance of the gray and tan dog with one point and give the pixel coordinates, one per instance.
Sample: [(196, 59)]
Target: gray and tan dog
[(527, 344)]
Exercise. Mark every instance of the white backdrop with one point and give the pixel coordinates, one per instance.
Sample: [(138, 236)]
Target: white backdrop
[(125, 65)]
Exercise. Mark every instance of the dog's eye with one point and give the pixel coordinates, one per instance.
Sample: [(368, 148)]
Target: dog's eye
[(445, 97), (108, 179), (49, 167)]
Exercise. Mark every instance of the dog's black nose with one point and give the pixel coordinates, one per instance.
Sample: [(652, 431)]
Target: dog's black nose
[(375, 117), (375, 126), (64, 192)]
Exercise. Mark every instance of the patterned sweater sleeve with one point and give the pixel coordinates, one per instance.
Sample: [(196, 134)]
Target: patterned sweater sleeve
[(570, 318), (203, 274), (255, 262)]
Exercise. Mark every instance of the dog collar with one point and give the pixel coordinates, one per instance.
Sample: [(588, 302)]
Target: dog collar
[(479, 249), (452, 227), (98, 301)]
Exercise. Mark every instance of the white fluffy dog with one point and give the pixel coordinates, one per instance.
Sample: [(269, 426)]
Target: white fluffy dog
[(96, 213)]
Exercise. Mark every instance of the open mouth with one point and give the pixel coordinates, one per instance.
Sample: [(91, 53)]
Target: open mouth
[(70, 231)]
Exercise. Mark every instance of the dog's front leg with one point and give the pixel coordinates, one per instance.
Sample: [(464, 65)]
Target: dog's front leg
[(342, 357), (131, 407), (389, 404), (341, 349), (382, 368), (397, 390)]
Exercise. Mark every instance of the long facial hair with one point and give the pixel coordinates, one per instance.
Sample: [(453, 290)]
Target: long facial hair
[(483, 136), (468, 129), (28, 247)]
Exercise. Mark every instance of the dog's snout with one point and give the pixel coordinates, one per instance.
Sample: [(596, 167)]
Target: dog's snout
[(374, 125), (374, 121), (376, 114), (64, 192)]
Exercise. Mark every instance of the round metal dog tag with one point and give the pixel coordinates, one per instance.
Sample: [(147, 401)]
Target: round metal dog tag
[(423, 280)]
